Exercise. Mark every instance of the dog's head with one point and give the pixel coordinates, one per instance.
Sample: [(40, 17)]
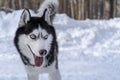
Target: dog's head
[(35, 34), (35, 37)]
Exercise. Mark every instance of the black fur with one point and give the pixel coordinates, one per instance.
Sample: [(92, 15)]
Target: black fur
[(28, 28)]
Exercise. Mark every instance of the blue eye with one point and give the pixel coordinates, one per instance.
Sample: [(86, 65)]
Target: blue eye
[(33, 36), (45, 37)]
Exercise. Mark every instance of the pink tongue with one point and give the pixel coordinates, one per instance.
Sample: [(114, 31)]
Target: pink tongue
[(38, 61)]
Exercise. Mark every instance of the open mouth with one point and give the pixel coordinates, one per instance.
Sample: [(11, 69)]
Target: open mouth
[(37, 60)]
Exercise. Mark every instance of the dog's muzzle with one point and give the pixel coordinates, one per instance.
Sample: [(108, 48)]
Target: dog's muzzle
[(38, 60)]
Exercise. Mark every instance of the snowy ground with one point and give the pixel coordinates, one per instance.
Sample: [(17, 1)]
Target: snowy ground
[(89, 49)]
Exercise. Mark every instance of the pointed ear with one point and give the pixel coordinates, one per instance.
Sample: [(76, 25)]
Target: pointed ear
[(25, 17), (52, 9), (46, 16)]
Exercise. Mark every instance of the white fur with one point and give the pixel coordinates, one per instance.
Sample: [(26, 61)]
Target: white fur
[(39, 44), (23, 40), (45, 5), (50, 11), (25, 17), (36, 45), (33, 72), (54, 74)]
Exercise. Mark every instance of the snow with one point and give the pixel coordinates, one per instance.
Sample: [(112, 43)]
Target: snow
[(88, 49)]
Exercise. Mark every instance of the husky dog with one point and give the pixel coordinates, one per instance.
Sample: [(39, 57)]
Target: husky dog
[(36, 42)]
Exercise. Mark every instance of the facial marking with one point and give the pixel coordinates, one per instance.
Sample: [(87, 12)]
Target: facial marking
[(34, 34), (44, 35), (38, 40)]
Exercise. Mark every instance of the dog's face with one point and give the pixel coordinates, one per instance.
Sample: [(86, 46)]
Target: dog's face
[(38, 41), (37, 35)]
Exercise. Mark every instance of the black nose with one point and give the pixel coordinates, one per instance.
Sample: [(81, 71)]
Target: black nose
[(43, 52)]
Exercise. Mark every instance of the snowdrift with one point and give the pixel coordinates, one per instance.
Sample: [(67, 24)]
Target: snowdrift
[(88, 49)]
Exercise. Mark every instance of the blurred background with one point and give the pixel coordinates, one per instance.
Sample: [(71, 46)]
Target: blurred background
[(88, 49), (77, 9)]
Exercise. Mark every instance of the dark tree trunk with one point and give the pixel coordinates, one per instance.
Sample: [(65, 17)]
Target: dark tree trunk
[(78, 9)]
